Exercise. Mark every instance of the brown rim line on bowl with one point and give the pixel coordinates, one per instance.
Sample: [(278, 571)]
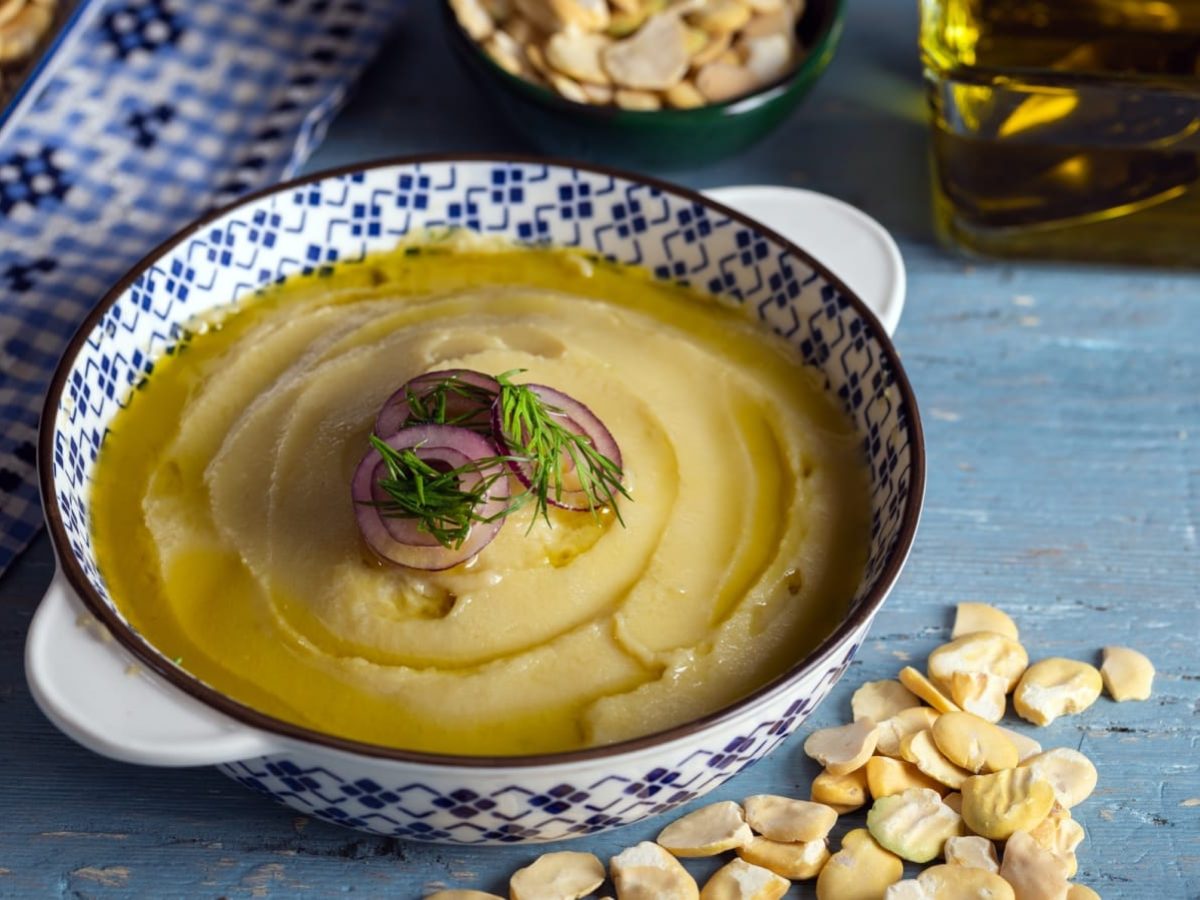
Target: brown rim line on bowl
[(265, 734), (664, 138)]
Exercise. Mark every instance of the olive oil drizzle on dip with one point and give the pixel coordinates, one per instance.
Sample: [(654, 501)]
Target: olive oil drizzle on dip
[(225, 533)]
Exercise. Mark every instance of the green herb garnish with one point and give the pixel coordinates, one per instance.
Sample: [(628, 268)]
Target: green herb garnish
[(443, 508), (545, 444), (540, 445)]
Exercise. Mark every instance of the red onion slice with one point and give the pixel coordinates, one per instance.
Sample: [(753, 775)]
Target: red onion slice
[(471, 409), (399, 540), (575, 417)]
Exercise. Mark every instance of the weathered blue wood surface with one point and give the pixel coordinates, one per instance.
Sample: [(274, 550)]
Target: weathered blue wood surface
[(1062, 408)]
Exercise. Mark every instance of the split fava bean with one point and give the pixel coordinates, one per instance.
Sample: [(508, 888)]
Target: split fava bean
[(785, 819), (842, 793), (1054, 687), (913, 824), (979, 693), (707, 831), (648, 872), (972, 617), (880, 700), (860, 870), (796, 861), (920, 750), (845, 748), (926, 690), (1026, 746), (1071, 774), (953, 883), (566, 875), (1081, 892), (740, 880), (972, 743), (892, 731), (972, 852), (1033, 872), (1060, 834), (886, 776), (981, 651), (999, 804), (1127, 674)]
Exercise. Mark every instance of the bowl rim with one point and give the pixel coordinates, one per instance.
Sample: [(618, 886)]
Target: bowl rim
[(814, 61), (179, 678)]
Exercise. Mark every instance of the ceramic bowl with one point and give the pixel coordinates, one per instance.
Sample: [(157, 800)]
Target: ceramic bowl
[(111, 691), (659, 139)]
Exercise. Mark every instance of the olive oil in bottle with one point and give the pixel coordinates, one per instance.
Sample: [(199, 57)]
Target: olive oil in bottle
[(1066, 129)]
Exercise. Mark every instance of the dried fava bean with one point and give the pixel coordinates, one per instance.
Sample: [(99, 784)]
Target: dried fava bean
[(784, 819), (954, 801), (474, 18), (996, 805), (1054, 687), (769, 58), (880, 700), (980, 651), (645, 101), (1071, 774), (740, 880), (565, 875), (844, 748), (648, 872), (597, 93), (721, 15), (707, 831), (463, 895), (886, 776), (1060, 834), (796, 861), (841, 793), (920, 750), (576, 54), (908, 889), (652, 59), (913, 824), (507, 54), (958, 883), (972, 852), (892, 731), (1034, 873), (683, 96), (979, 693), (721, 80), (1026, 746), (567, 87), (710, 52), (926, 690), (861, 870), (975, 745), (1081, 892), (765, 6), (972, 617), (1127, 674)]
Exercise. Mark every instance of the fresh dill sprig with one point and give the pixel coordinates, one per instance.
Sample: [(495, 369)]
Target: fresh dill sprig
[(434, 406), (436, 498), (534, 432)]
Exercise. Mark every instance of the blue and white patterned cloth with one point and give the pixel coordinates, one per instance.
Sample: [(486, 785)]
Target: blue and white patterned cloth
[(163, 110)]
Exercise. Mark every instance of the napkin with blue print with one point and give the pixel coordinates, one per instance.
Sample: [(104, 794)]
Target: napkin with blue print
[(159, 111)]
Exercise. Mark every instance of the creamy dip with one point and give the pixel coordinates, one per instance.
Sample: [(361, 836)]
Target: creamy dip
[(226, 533)]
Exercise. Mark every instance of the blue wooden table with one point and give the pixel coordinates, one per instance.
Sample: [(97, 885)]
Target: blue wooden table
[(1062, 410)]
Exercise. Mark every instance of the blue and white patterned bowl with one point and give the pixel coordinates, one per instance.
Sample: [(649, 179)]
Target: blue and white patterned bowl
[(163, 716)]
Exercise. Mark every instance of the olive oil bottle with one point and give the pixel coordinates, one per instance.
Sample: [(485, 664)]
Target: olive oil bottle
[(1066, 129)]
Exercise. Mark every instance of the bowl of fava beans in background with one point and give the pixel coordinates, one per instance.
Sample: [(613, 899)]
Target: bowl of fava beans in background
[(645, 82)]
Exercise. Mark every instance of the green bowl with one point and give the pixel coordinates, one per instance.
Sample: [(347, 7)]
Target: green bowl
[(662, 139)]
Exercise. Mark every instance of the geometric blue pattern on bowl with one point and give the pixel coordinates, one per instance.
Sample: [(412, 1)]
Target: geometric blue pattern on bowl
[(341, 217)]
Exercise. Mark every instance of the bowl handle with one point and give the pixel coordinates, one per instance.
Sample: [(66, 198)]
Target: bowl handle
[(94, 692)]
